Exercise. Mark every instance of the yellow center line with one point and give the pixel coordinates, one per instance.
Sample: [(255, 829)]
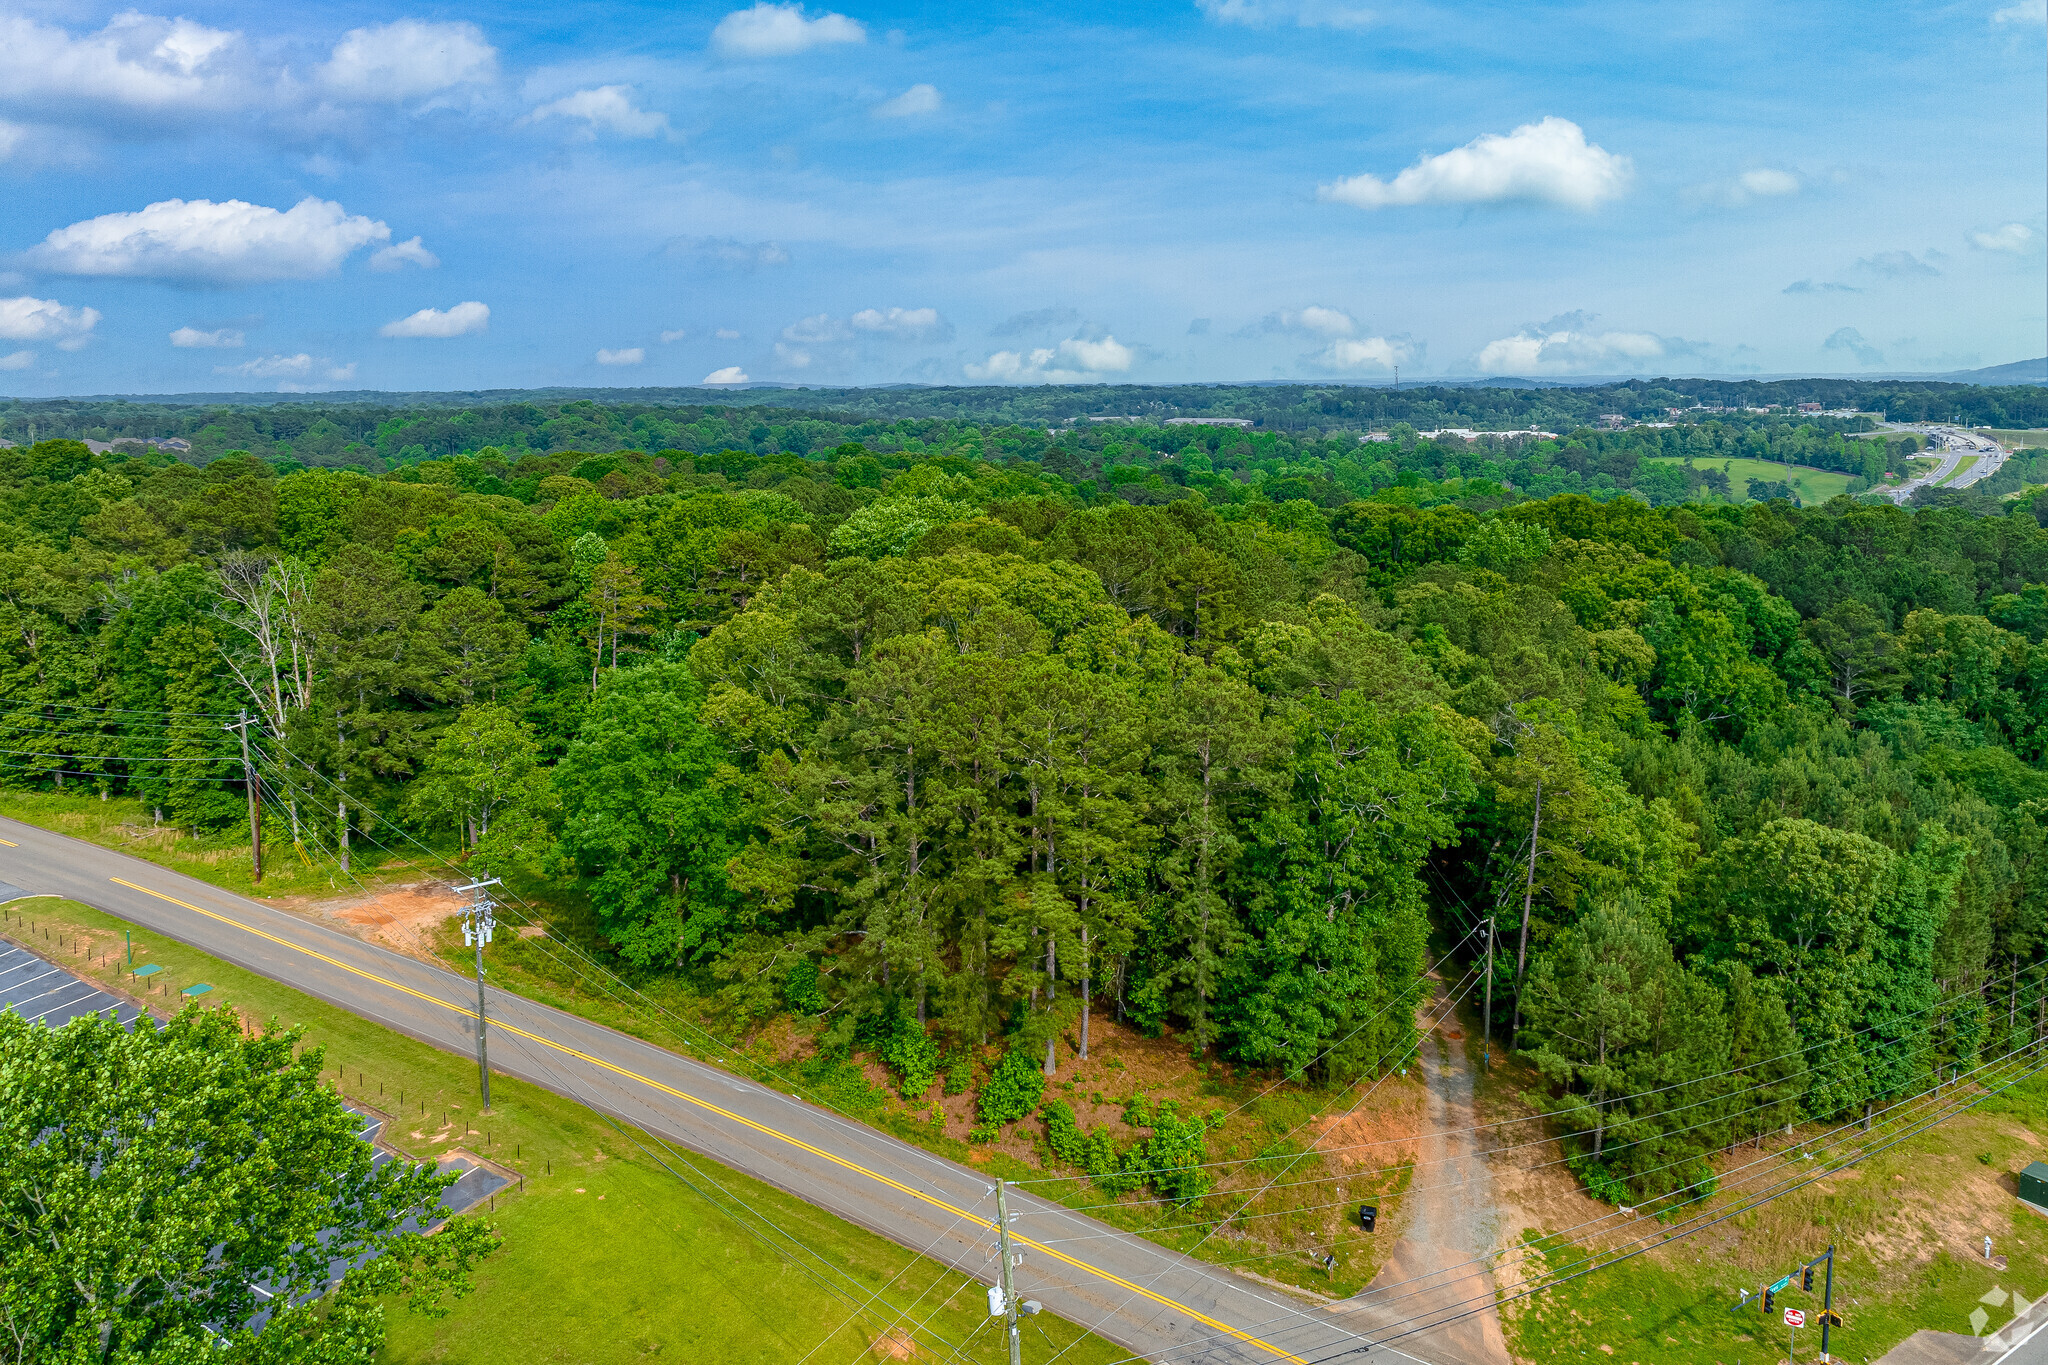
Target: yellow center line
[(10, 843), (937, 1203)]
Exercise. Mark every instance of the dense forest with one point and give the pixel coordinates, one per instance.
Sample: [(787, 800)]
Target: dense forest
[(955, 739)]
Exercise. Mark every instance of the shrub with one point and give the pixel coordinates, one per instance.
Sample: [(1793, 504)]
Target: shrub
[(913, 1055), (1013, 1090), (800, 989)]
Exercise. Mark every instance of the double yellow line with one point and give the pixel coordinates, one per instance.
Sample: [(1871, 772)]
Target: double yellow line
[(840, 1161)]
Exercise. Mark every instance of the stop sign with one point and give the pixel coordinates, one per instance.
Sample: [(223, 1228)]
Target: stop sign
[(1794, 1318)]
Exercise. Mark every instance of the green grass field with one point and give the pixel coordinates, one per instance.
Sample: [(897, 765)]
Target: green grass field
[(607, 1257), (1812, 485)]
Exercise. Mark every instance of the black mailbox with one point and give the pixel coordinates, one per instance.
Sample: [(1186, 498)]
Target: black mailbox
[(1368, 1214)]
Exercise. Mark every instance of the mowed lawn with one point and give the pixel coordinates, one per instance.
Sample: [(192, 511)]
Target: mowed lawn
[(620, 1248), (1812, 485)]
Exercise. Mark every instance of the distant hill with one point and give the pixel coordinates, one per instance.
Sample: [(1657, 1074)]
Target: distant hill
[(2019, 372)]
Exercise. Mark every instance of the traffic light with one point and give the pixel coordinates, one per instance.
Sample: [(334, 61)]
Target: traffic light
[(1368, 1214), (1770, 1298), (1806, 1279), (1831, 1317)]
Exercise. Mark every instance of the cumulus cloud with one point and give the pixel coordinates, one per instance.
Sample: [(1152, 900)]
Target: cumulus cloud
[(460, 320), (628, 355), (1315, 320), (675, 335), (297, 372), (2016, 238), (1568, 344), (401, 254), (1850, 340), (730, 252), (1077, 360), (1899, 265), (2025, 12), (1811, 287), (726, 334), (918, 99), (731, 374), (1275, 13), (17, 360), (200, 242), (1376, 354), (1763, 182), (816, 330), (792, 357), (138, 63), (1038, 319), (1545, 163), (609, 108), (220, 338), (902, 324), (26, 318), (770, 30), (409, 59)]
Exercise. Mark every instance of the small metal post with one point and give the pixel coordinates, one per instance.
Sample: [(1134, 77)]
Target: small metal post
[(1827, 1303)]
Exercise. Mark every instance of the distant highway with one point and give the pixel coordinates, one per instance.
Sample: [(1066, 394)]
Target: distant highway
[(1952, 445)]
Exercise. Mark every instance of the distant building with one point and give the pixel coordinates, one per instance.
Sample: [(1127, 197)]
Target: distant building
[(1377, 436), (1462, 433), (1809, 407), (1613, 419), (1209, 421)]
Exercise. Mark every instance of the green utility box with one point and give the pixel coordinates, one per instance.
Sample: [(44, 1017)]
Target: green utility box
[(2034, 1184)]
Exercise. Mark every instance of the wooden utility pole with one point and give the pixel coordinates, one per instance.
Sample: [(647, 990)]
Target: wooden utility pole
[(1528, 898), (1009, 1284), (252, 783)]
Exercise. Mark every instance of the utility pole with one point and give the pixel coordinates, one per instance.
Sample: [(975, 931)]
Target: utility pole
[(477, 923), (249, 781), (1486, 1019), (1009, 1284), (1827, 1309)]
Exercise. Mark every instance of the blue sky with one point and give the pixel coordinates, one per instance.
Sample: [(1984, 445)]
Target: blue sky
[(229, 196)]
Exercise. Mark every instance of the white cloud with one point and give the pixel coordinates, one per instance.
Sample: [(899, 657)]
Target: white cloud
[(902, 324), (1766, 182), (1569, 345), (460, 320), (18, 360), (2016, 238), (769, 30), (918, 99), (137, 62), (400, 254), (298, 370), (726, 334), (1300, 13), (1548, 163), (1077, 360), (1850, 340), (729, 251), (31, 319), (1316, 320), (677, 335), (408, 59), (191, 338), (795, 357), (2025, 12), (12, 135), (629, 355), (200, 242), (814, 331), (1367, 353), (731, 374), (607, 107), (1899, 265)]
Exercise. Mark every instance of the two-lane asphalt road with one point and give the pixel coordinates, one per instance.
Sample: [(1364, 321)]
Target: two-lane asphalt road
[(1157, 1304)]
